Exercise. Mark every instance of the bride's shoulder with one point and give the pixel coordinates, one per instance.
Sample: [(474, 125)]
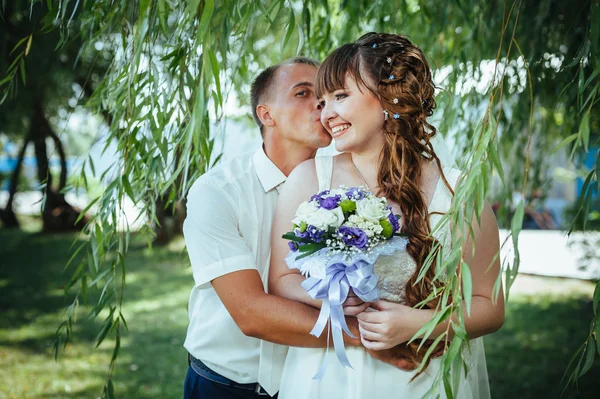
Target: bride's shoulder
[(304, 170), (302, 180)]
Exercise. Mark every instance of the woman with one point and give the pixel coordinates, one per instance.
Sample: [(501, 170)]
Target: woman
[(376, 96)]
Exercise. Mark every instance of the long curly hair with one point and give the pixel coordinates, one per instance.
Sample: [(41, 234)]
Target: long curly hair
[(397, 73)]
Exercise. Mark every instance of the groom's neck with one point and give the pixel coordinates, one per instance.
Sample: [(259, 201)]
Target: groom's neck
[(287, 155)]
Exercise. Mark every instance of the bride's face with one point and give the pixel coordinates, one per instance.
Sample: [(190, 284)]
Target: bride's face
[(354, 118)]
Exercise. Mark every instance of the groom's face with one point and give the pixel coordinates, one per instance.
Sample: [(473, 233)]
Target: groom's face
[(294, 106)]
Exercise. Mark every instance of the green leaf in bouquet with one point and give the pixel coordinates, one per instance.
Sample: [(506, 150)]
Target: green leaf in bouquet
[(309, 249)]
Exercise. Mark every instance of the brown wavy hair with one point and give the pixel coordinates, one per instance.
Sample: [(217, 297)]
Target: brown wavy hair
[(398, 74)]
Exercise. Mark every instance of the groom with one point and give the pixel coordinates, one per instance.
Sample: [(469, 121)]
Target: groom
[(227, 234)]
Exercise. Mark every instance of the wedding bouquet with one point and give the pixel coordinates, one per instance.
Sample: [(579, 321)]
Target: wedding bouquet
[(335, 241)]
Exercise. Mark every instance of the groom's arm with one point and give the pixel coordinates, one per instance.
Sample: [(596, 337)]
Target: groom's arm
[(269, 317), (219, 255)]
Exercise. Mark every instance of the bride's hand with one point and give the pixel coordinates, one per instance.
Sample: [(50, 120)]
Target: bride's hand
[(390, 325)]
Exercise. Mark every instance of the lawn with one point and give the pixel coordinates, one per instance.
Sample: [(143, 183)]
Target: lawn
[(546, 320)]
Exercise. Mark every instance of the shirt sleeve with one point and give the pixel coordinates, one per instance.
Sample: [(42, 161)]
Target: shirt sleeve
[(212, 237)]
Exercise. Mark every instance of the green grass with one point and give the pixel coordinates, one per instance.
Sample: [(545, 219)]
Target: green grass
[(526, 358)]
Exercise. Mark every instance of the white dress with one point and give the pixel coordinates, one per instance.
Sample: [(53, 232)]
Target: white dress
[(371, 378)]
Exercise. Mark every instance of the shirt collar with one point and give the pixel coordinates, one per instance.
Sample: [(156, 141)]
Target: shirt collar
[(269, 175)]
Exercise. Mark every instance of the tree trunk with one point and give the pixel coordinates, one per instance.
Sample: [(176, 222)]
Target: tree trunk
[(57, 214), (170, 216), (63, 160), (7, 215)]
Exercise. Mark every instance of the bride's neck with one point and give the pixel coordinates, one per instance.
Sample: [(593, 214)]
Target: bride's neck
[(367, 163)]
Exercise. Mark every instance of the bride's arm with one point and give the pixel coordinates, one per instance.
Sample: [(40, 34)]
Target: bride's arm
[(300, 186), (395, 323)]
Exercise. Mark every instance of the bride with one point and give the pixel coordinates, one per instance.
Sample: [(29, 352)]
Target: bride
[(376, 95)]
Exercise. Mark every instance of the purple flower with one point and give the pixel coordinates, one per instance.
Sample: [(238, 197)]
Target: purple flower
[(293, 246), (355, 192), (393, 221), (315, 234), (301, 234), (354, 236), (330, 203), (319, 197)]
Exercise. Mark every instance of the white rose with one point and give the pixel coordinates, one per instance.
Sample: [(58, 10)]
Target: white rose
[(304, 212), (324, 218), (371, 209)]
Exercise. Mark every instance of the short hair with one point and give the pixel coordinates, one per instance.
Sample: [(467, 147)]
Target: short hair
[(262, 83)]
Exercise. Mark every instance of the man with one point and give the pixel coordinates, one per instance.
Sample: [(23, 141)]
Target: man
[(227, 234)]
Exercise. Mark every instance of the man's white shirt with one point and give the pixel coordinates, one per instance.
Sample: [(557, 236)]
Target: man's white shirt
[(228, 226)]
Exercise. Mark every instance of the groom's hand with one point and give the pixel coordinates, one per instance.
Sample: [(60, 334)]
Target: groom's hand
[(353, 305), (399, 356)]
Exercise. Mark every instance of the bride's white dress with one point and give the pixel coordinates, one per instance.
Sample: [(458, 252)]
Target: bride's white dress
[(371, 378)]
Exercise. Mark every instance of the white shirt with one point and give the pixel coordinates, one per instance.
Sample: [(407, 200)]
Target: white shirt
[(228, 225)]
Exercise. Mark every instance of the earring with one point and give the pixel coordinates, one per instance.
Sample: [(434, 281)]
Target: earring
[(385, 115)]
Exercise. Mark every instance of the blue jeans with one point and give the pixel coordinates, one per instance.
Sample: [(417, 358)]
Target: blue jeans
[(203, 383)]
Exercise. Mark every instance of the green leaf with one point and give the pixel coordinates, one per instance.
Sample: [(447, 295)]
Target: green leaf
[(597, 332), (128, 189), (584, 130), (590, 353), (106, 326), (517, 221), (109, 389), (23, 73), (207, 12), (163, 13), (595, 28), (310, 247), (429, 352), (87, 208), (566, 141), (596, 297), (117, 345), (573, 375), (291, 25), (493, 152), (467, 286)]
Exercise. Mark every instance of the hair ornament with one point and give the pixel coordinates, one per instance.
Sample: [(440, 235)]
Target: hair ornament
[(374, 45), (395, 101), (389, 60), (396, 116), (391, 76)]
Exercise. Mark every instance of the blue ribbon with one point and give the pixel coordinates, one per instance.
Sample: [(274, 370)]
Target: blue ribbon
[(333, 290)]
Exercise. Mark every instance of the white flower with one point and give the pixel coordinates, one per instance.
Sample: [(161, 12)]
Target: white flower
[(324, 218), (314, 266), (304, 212), (335, 191), (371, 209)]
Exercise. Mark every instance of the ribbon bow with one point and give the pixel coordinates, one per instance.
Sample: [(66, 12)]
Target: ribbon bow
[(333, 290)]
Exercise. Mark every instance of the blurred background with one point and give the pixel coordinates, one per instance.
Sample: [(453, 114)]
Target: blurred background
[(109, 112)]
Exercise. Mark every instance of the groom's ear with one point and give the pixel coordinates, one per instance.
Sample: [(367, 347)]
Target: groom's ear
[(262, 111)]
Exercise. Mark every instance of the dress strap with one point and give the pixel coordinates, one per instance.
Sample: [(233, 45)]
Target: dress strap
[(324, 167)]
